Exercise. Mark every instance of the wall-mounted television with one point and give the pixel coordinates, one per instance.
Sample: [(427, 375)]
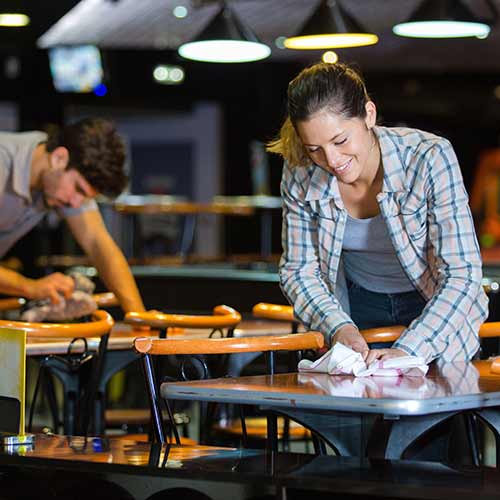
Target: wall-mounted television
[(75, 68)]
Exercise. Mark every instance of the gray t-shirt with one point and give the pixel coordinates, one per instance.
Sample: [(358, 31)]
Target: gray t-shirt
[(369, 257), (20, 208)]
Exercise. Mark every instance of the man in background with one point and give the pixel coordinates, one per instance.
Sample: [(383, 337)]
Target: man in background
[(64, 170)]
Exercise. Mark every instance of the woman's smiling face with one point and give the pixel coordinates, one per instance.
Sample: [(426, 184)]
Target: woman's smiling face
[(341, 146)]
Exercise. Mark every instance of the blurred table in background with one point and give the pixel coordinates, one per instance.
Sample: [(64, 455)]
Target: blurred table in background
[(197, 288), (132, 206)]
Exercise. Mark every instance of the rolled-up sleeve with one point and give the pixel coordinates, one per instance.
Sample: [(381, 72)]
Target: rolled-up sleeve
[(301, 279)]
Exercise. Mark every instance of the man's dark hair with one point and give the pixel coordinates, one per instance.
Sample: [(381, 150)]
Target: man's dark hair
[(95, 150)]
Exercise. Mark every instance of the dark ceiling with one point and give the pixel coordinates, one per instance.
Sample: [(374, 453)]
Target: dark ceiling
[(43, 15), (151, 25)]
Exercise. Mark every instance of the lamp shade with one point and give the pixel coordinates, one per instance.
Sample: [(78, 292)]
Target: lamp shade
[(442, 19), (330, 27), (225, 39)]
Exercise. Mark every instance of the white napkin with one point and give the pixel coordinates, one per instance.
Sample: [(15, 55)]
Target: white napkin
[(342, 360)]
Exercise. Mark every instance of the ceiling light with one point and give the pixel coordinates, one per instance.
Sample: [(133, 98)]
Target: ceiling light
[(180, 11), (227, 40), (442, 19), (330, 57), (170, 75), (330, 27), (280, 42), (14, 20)]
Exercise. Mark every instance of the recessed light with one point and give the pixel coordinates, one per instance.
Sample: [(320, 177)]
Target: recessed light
[(14, 20)]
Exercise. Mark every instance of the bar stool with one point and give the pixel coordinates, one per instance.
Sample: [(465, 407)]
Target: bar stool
[(69, 371), (149, 347)]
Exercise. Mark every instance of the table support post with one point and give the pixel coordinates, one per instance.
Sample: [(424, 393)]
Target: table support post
[(491, 417), (406, 430), (345, 433)]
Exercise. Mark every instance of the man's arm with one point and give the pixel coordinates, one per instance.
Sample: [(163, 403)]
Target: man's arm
[(91, 234), (51, 286)]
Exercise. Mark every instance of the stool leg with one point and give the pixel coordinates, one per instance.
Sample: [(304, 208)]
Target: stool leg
[(272, 433), (286, 434), (244, 436)]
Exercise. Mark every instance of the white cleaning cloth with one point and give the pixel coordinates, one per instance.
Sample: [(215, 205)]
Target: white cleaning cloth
[(342, 360)]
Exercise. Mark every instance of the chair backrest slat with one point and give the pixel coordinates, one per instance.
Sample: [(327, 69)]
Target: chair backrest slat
[(101, 325), (273, 311), (299, 341), (382, 334), (224, 317)]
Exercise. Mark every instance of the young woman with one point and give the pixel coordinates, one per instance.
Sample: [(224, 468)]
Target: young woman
[(377, 229)]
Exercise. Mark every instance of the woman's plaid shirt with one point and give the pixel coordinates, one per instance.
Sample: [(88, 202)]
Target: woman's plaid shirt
[(425, 206)]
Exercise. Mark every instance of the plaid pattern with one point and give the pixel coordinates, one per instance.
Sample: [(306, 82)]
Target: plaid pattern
[(425, 206)]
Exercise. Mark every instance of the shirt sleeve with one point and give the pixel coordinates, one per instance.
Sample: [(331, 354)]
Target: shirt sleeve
[(88, 205), (302, 282), (455, 253)]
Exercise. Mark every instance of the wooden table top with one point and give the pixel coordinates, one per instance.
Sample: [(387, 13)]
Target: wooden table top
[(449, 387)]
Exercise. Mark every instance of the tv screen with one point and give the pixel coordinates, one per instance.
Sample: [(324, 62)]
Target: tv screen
[(75, 68)]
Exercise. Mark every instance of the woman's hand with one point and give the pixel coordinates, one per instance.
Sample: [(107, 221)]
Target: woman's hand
[(383, 355), (349, 336)]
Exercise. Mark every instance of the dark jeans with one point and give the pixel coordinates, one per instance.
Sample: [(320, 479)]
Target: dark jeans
[(372, 309)]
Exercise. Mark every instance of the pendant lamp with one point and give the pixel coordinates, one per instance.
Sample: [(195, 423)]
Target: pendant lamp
[(330, 27), (226, 39), (442, 19)]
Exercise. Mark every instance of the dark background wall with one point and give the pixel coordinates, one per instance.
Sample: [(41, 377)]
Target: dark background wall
[(461, 107)]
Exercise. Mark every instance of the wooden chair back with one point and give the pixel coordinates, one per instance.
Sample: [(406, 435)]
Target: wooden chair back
[(279, 312), (383, 334), (295, 342), (101, 325), (223, 317)]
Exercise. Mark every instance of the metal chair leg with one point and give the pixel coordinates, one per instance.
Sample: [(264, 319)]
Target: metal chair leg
[(244, 435), (51, 397), (35, 397), (272, 432), (173, 426), (154, 400)]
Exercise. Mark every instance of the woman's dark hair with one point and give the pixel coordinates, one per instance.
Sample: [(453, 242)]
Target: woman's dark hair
[(337, 88), (95, 150)]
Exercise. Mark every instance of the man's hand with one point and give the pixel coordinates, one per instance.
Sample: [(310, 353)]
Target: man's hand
[(51, 286), (384, 354), (349, 336)]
